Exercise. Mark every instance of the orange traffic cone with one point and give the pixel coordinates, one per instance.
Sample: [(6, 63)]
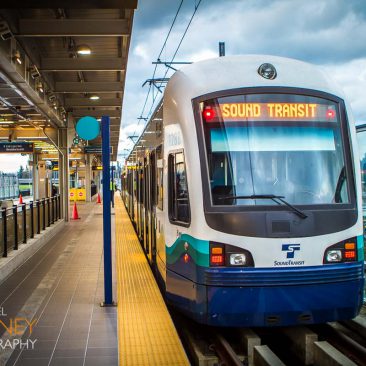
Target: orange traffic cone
[(75, 215), (98, 198), (20, 199)]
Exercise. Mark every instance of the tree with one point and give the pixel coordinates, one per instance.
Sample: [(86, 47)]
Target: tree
[(20, 172)]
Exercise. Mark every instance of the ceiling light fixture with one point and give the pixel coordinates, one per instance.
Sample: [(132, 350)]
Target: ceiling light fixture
[(16, 57), (83, 49), (94, 97), (39, 87)]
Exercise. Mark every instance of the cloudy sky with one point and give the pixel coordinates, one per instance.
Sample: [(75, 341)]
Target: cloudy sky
[(329, 33)]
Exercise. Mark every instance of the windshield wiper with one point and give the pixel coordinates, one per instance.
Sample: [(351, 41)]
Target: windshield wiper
[(272, 197), (341, 179)]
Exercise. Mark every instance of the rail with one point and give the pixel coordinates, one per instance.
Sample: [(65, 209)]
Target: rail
[(21, 222)]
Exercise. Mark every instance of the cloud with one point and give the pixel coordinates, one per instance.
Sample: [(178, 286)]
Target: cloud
[(10, 163), (352, 78)]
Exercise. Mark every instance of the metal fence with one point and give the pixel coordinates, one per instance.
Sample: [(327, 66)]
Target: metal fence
[(9, 186), (21, 222)]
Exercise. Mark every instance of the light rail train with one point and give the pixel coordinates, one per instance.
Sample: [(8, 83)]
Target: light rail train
[(245, 191)]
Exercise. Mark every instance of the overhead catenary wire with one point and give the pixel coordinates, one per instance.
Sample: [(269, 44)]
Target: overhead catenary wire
[(161, 51), (176, 51), (172, 59)]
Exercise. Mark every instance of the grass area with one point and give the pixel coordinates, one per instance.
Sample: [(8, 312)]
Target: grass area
[(24, 187)]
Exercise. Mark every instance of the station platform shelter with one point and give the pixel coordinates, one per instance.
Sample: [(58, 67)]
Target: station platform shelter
[(60, 62), (58, 65)]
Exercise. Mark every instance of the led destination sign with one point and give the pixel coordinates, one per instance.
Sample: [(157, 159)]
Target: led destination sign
[(273, 111)]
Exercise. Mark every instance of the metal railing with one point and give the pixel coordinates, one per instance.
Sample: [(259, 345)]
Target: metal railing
[(9, 186), (21, 222)]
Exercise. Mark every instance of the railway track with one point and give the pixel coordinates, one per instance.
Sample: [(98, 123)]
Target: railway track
[(341, 343)]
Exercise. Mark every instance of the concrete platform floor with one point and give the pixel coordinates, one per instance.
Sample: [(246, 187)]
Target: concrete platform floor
[(58, 291)]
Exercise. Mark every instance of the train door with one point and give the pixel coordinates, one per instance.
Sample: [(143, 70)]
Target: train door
[(141, 207), (152, 226), (138, 200), (361, 138), (146, 205), (135, 189), (130, 182), (159, 209)]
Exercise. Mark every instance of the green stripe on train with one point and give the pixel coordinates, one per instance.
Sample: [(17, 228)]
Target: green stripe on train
[(197, 249), (360, 248)]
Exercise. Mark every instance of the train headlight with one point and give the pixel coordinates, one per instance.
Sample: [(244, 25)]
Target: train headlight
[(267, 71), (238, 259), (229, 255), (343, 251), (334, 255)]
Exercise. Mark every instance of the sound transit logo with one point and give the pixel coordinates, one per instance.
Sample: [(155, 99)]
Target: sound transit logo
[(290, 250), (15, 330)]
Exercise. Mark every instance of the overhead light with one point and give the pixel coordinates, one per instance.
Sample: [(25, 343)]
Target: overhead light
[(39, 87), (83, 49), (6, 122), (16, 57), (33, 137), (94, 97)]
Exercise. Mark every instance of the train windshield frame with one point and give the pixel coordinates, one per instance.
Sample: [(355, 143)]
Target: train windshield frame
[(287, 142)]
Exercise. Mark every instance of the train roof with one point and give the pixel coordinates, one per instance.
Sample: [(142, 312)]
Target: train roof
[(231, 72)]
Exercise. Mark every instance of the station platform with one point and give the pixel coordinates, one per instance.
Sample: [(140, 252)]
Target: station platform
[(147, 335), (51, 304), (58, 290)]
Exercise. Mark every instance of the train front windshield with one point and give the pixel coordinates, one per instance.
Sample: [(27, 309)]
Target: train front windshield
[(274, 144)]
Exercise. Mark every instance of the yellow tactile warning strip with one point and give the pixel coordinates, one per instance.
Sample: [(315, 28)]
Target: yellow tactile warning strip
[(146, 333)]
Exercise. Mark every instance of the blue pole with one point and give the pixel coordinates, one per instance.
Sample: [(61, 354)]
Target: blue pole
[(107, 242)]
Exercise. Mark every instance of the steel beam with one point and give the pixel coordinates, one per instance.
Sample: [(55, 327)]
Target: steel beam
[(96, 113), (29, 132), (89, 87), (72, 4), (83, 64), (86, 102), (73, 27)]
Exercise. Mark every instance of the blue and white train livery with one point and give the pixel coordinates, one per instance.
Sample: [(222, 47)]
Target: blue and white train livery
[(245, 192)]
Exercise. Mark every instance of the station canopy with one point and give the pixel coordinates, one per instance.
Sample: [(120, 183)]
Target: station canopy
[(62, 63)]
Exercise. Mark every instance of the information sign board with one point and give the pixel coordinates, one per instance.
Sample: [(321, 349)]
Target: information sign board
[(16, 147), (96, 149)]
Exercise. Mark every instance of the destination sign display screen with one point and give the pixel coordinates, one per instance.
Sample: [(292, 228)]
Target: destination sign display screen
[(16, 147), (267, 108)]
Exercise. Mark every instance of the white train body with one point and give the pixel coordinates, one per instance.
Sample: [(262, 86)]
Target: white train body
[(230, 141)]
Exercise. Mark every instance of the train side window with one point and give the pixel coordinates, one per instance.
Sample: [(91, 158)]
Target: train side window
[(178, 199)]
